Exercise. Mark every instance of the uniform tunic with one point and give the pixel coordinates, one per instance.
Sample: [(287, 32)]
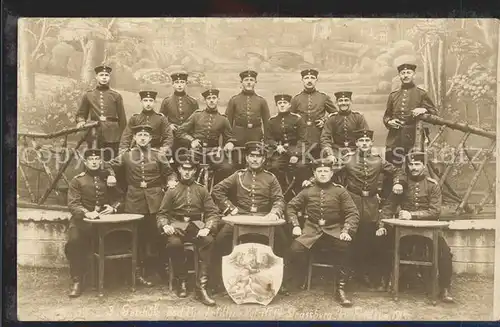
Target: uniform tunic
[(104, 102), (289, 130), (399, 106), (330, 202), (162, 137), (178, 107), (146, 173), (312, 105), (248, 114), (337, 132)]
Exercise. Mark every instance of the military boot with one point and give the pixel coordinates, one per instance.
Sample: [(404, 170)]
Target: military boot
[(201, 290), (341, 284), (76, 287), (446, 296), (182, 287), (139, 278)]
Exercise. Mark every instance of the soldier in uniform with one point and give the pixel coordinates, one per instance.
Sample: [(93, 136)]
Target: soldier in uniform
[(147, 173), (421, 200), (162, 133), (336, 137), (361, 173), (106, 106), (188, 214), (314, 107), (250, 191), (204, 128), (88, 197), (178, 107), (331, 223), (287, 137), (248, 112)]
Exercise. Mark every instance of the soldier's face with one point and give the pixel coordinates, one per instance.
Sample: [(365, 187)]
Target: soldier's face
[(212, 101), (103, 78), (309, 81), (148, 103), (344, 103), (323, 174), (364, 143), (283, 105), (255, 161), (407, 75), (416, 168), (186, 173), (93, 162), (179, 85), (142, 138), (248, 83)]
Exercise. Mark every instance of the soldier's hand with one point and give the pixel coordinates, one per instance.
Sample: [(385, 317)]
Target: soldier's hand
[(169, 230), (111, 181), (294, 159), (80, 124), (320, 123), (173, 127), (172, 183), (394, 123), (92, 215), (418, 111), (280, 149), (195, 144), (345, 237), (203, 232), (234, 212), (404, 214), (272, 216), (297, 231), (179, 232), (332, 159), (229, 146), (306, 183), (107, 210), (381, 231), (397, 189)]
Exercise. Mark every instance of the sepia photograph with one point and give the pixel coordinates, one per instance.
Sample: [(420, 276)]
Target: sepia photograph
[(257, 169)]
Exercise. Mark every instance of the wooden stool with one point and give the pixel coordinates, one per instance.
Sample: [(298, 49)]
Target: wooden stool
[(312, 262), (196, 259), (105, 225), (431, 229)]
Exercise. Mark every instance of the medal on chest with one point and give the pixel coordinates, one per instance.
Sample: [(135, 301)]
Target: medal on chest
[(102, 118), (321, 222)]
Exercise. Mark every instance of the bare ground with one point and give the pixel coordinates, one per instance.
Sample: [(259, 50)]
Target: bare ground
[(42, 296)]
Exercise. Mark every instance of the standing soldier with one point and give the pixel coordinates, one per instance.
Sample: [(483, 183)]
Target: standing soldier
[(331, 223), (147, 173), (203, 130), (178, 107), (162, 137), (248, 112), (337, 137), (106, 106), (88, 197), (314, 107), (421, 200), (188, 214), (287, 136), (250, 191)]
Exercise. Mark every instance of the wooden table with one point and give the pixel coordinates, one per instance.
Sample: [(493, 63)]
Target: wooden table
[(253, 224), (427, 228), (107, 224)]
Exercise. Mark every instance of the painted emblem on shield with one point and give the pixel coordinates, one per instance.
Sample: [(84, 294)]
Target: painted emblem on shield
[(252, 273)]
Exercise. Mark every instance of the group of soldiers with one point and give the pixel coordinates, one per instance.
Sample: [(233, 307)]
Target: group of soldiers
[(343, 188)]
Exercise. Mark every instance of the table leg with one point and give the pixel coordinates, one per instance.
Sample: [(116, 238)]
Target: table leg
[(435, 265), (271, 236), (236, 235), (134, 254), (93, 280), (101, 263), (395, 272)]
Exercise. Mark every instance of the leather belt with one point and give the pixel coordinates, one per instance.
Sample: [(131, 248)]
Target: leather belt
[(363, 193), (255, 209), (248, 125), (113, 119), (187, 218), (148, 185)]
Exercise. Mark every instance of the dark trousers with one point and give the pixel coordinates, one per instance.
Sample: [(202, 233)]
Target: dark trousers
[(334, 249), (148, 236), (77, 247), (279, 165), (369, 252)]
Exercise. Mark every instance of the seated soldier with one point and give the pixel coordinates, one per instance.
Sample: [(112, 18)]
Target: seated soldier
[(331, 223), (287, 137), (203, 129), (421, 200), (188, 214), (88, 197)]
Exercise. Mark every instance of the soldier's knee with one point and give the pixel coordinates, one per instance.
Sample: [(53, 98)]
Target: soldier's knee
[(174, 242)]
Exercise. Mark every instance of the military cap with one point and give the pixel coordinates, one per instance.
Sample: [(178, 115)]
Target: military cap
[(148, 94), (323, 162), (210, 92), (187, 161), (103, 68), (282, 97), (255, 147), (248, 73), (306, 72), (142, 128), (92, 152), (179, 76), (407, 66), (343, 94), (362, 133), (416, 156)]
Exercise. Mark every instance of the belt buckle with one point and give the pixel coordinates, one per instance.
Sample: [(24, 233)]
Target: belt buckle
[(286, 144), (346, 144), (102, 118), (249, 125), (144, 184), (187, 219), (365, 193), (97, 208), (205, 143), (253, 209), (309, 123)]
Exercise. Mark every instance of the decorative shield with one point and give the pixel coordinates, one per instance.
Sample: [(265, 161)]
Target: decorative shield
[(252, 273)]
